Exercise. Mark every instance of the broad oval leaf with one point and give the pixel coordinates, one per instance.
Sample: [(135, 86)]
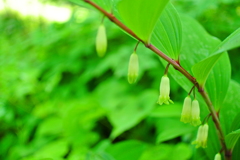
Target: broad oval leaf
[(232, 41), (218, 81), (173, 111), (167, 34), (128, 111), (232, 138), (141, 15), (169, 128), (165, 151), (202, 69), (129, 149), (230, 112), (230, 117)]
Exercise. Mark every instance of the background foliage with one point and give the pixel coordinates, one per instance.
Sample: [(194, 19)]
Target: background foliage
[(58, 100)]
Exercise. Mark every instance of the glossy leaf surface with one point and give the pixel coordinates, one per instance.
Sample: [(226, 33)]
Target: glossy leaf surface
[(105, 4), (232, 138), (167, 35), (202, 69), (141, 16)]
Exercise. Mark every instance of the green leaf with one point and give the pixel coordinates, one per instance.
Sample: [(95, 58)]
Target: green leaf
[(131, 112), (200, 42), (218, 81), (232, 41), (98, 156), (159, 152), (235, 124), (180, 151), (171, 128), (105, 4), (56, 149), (124, 112), (141, 15), (230, 112), (230, 115), (202, 69), (236, 153), (232, 138), (124, 150), (174, 110), (167, 35)]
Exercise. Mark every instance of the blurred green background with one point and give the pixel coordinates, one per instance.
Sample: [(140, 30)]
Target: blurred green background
[(59, 100)]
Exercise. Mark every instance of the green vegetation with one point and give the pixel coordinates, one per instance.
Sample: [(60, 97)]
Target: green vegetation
[(59, 100)]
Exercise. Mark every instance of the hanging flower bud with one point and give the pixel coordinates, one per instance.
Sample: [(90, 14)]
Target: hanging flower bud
[(164, 91), (202, 136), (187, 110), (217, 156), (101, 41), (133, 67), (195, 113)]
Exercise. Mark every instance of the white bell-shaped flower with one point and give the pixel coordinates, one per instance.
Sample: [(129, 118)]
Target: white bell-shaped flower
[(186, 115), (133, 68), (164, 91), (101, 41), (195, 118)]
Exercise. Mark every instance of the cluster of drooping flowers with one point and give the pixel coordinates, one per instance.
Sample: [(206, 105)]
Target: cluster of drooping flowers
[(191, 111), (191, 114)]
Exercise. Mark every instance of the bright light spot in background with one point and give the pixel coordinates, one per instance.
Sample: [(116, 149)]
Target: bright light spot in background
[(37, 9)]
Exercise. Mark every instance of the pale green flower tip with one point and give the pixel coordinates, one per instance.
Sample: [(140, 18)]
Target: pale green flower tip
[(164, 99), (132, 79), (101, 41), (160, 100), (218, 157), (196, 122), (185, 119), (133, 68), (198, 145)]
